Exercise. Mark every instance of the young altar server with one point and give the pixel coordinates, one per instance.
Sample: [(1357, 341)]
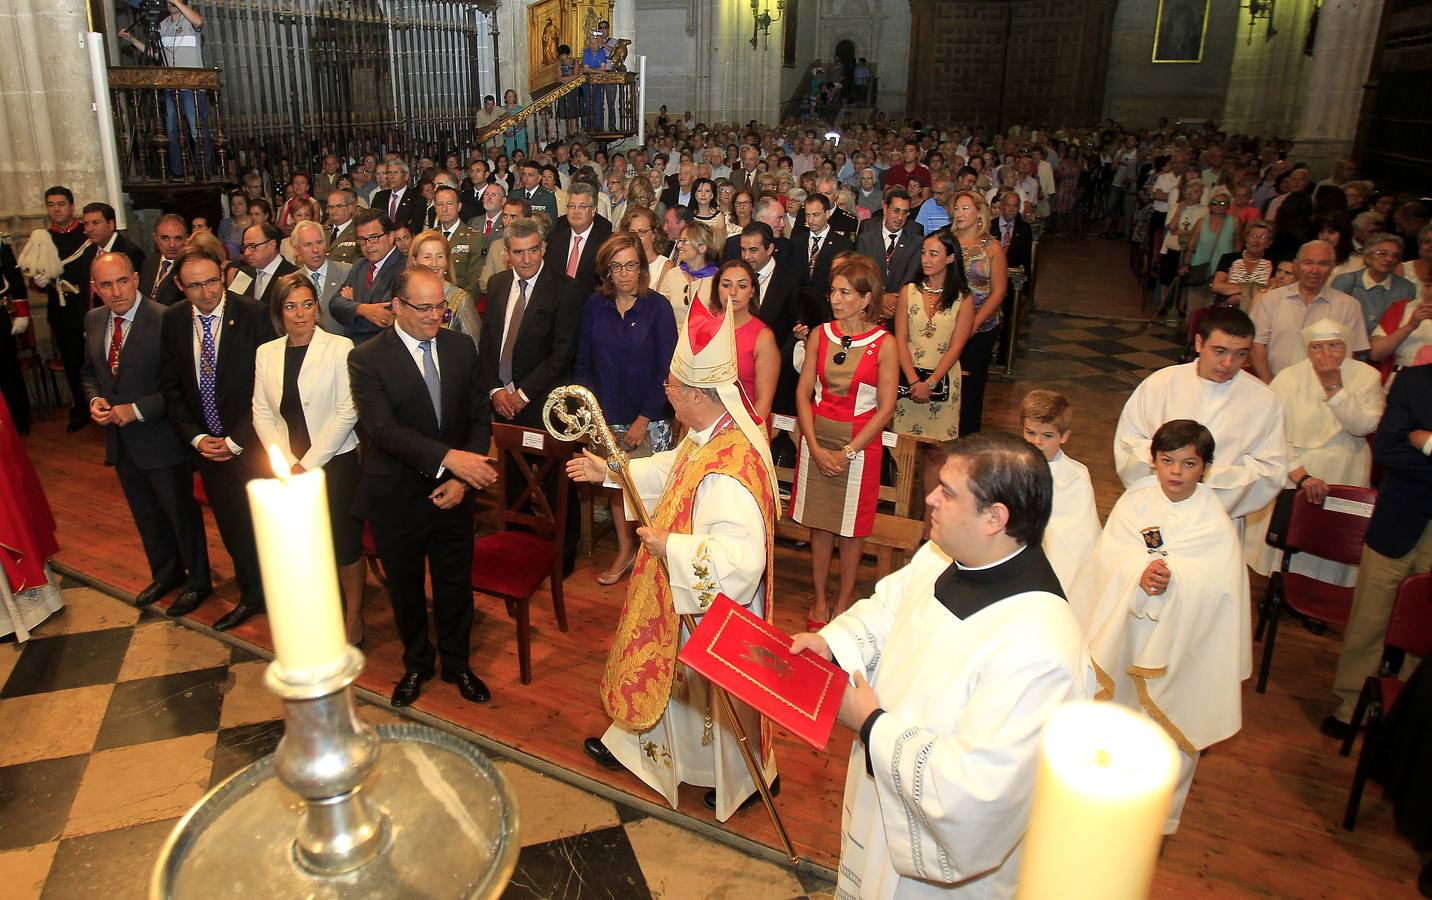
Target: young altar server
[(1164, 603), (957, 662), (714, 509), (1074, 522)]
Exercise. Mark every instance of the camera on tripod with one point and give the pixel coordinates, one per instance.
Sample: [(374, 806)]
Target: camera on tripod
[(147, 14)]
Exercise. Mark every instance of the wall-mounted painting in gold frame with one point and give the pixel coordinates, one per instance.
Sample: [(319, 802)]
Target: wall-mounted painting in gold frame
[(551, 23), (1180, 31)]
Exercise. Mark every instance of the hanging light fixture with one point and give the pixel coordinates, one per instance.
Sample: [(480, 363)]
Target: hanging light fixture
[(1261, 9), (763, 20)]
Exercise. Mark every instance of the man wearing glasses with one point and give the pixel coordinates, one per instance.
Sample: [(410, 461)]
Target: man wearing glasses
[(572, 247), (265, 264), (363, 306), (207, 347), (427, 423), (342, 240)]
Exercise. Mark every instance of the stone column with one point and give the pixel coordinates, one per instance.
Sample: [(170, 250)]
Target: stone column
[(1342, 55), (47, 122)]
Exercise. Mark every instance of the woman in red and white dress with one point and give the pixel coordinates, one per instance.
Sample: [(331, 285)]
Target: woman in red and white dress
[(29, 593), (846, 397)]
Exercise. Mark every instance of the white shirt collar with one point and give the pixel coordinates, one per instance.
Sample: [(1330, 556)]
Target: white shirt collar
[(767, 270), (216, 313), (321, 271), (133, 311), (583, 235), (386, 257), (273, 265), (821, 235), (998, 562)]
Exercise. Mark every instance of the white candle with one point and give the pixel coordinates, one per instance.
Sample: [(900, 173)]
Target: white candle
[(305, 609), (1101, 798)]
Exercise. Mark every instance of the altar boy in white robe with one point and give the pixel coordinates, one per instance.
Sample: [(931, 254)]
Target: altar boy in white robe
[(714, 508), (957, 662), (1239, 410), (1074, 521), (1164, 603)]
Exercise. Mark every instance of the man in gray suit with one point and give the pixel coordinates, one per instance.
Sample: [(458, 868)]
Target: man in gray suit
[(121, 382), (893, 240), (364, 305), (328, 275)]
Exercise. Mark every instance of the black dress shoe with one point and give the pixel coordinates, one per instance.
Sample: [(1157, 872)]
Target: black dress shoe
[(409, 687), (238, 615), (710, 798), (1334, 727), (469, 685), (599, 752), (188, 602), (76, 424), (155, 590)]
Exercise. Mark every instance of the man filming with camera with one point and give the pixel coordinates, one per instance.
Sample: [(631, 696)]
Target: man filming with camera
[(178, 47)]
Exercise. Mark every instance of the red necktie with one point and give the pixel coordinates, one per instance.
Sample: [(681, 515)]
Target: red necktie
[(372, 273), (575, 256), (116, 341), (487, 231)]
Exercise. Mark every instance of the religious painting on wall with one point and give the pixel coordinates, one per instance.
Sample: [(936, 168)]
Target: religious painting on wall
[(1180, 31)]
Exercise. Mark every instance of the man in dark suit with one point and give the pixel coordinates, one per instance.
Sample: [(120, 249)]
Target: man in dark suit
[(470, 191), (265, 265), (99, 224), (778, 292), (156, 276), (121, 382), (207, 377), (813, 249), (572, 246), (364, 306), (893, 240), (679, 194), (529, 339), (399, 201), (533, 192), (839, 220), (1013, 232), (427, 423)]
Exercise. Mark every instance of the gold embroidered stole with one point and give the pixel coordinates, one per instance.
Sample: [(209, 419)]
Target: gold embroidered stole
[(641, 665)]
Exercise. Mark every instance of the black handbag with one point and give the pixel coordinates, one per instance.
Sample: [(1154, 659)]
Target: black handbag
[(940, 393)]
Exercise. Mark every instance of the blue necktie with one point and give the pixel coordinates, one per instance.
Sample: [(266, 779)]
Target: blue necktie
[(206, 379), (318, 283), (430, 378)]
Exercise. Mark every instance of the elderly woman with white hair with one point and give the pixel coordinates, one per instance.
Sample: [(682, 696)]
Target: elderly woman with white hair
[(1331, 402)]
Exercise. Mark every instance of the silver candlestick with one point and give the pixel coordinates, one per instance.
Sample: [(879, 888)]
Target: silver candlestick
[(343, 810)]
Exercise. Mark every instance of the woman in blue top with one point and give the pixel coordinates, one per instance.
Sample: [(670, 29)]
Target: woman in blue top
[(514, 138), (594, 61), (628, 337)]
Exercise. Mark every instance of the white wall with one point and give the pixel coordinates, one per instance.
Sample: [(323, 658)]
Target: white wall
[(661, 35)]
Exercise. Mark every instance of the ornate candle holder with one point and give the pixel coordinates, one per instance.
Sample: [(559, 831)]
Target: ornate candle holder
[(345, 810)]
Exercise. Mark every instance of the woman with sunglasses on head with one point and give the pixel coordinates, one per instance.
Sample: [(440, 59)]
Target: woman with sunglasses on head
[(628, 337), (1214, 235), (430, 250), (304, 407), (837, 481), (985, 268)]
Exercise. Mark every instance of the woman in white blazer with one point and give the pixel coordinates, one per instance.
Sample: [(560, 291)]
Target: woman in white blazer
[(303, 405)]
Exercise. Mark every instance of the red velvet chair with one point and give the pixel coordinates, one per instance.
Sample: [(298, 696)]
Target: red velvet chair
[(370, 553), (1322, 532), (512, 564), (1409, 630), (200, 496)]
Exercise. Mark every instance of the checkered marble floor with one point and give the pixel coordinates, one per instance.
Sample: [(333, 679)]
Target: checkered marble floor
[(1072, 354), (115, 721)]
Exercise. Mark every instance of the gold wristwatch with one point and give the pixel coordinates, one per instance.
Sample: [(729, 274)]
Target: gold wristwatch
[(850, 452)]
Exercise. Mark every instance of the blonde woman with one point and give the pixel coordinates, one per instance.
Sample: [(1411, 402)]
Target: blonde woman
[(691, 276), (641, 223), (430, 251), (985, 273)]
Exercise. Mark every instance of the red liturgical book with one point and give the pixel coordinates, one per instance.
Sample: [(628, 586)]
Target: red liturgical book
[(751, 659)]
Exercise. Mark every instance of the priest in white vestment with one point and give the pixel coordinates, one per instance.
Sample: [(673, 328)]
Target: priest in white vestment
[(1331, 402), (1238, 409), (714, 509), (957, 662), (1164, 603)]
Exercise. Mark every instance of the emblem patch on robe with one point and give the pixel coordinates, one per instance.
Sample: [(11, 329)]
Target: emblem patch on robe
[(705, 585), (656, 753), (1153, 540)]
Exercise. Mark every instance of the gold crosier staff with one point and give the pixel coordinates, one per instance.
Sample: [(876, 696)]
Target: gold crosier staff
[(581, 420)]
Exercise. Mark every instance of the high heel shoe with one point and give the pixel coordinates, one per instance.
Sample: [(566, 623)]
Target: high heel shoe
[(814, 625), (612, 576)]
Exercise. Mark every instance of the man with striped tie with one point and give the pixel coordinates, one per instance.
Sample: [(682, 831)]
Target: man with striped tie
[(207, 378)]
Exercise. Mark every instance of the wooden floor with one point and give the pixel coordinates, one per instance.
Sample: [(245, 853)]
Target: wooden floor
[(1263, 818)]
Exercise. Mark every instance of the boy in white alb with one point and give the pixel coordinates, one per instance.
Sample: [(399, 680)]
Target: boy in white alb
[(1074, 523)]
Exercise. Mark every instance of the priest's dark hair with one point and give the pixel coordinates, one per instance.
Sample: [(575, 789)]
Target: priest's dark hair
[(1005, 469), (1230, 320), (1175, 434)]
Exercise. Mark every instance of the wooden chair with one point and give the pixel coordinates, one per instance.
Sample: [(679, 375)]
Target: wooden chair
[(1330, 534), (512, 564), (1409, 631)]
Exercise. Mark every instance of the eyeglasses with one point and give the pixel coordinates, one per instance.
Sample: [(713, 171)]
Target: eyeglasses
[(372, 238), (633, 266), (642, 232), (254, 246), (424, 310), (204, 285), (580, 206), (1384, 254), (839, 358), (1218, 203)]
